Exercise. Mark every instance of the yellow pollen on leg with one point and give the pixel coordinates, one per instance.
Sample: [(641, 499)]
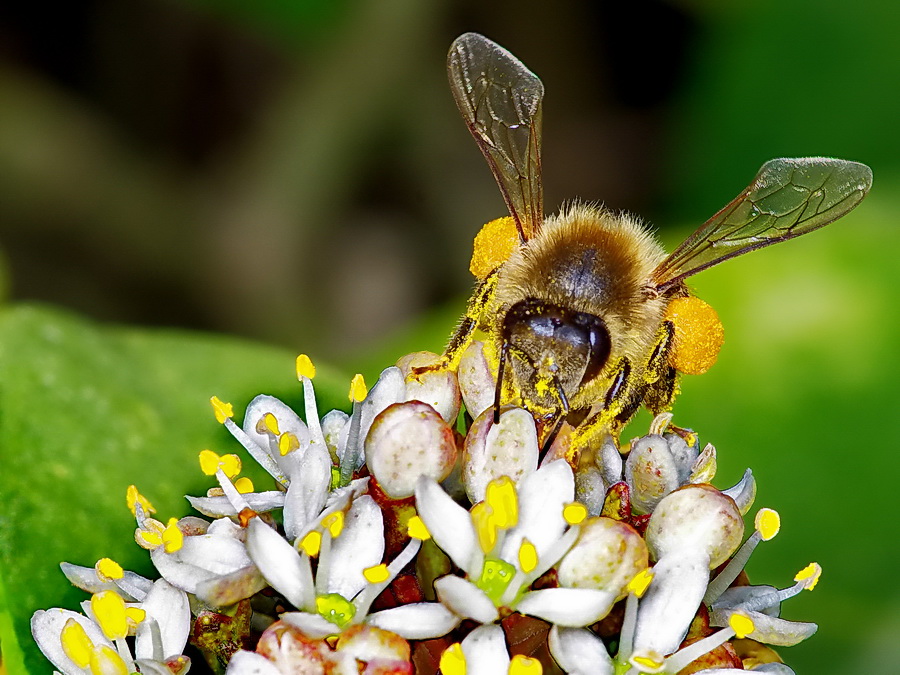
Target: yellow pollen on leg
[(524, 665), (767, 523), (810, 575), (108, 608), (741, 624), (501, 496), (305, 367), (108, 569), (453, 661), (493, 245), (698, 335), (75, 643), (222, 410)]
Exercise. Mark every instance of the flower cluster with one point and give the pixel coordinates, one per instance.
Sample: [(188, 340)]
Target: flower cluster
[(393, 542)]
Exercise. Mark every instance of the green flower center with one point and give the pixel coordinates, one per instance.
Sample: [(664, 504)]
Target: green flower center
[(335, 608), (495, 578)]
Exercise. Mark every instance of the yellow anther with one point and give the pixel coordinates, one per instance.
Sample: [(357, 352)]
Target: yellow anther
[(135, 615), (485, 525), (453, 661), (767, 523), (288, 443), (639, 583), (311, 543), (108, 608), (417, 530), (270, 424), (334, 523), (648, 662), (106, 661), (358, 391), (305, 367), (108, 569), (741, 624), (502, 498), (244, 485), (493, 245), (149, 539), (523, 665), (222, 410), (172, 537), (210, 462), (809, 575), (231, 465), (376, 574), (574, 513), (75, 643), (698, 335), (132, 497), (528, 557)]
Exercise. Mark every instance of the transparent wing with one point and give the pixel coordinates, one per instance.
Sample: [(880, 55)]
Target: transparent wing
[(788, 197), (500, 100)]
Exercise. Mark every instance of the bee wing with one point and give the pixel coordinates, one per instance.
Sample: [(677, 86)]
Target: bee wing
[(788, 197), (500, 100)]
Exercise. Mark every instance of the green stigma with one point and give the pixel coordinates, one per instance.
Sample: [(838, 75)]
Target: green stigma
[(495, 578), (335, 608)]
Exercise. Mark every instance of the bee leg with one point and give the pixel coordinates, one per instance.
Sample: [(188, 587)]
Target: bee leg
[(661, 378), (462, 336), (618, 406)]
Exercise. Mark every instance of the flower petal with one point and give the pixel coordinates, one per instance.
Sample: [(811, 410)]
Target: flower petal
[(579, 652), (570, 607), (360, 545), (219, 507), (201, 558), (308, 490), (485, 651), (450, 526), (417, 621), (465, 599), (133, 587), (170, 608), (313, 626), (280, 564), (251, 663), (46, 628)]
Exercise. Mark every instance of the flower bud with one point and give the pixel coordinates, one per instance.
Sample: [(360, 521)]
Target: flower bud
[(508, 448), (477, 382), (438, 388)]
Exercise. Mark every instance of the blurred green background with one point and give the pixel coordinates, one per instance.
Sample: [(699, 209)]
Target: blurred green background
[(294, 172)]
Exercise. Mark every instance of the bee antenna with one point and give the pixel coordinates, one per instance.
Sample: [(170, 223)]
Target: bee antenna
[(504, 351)]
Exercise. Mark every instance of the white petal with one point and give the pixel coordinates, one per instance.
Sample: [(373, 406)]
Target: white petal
[(732, 598), (313, 626), (230, 588), (744, 492), (288, 421), (360, 545), (542, 496), (579, 652), (133, 587), (170, 607), (667, 609), (250, 663), (46, 628), (280, 564), (465, 599), (218, 507), (450, 526), (508, 448), (417, 621), (771, 630), (201, 558), (308, 490), (571, 607), (485, 651)]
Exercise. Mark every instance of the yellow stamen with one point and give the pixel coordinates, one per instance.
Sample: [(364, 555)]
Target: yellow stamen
[(574, 513), (149, 539), (528, 557), (523, 665), (132, 497), (311, 543), (376, 574), (502, 498), (75, 643), (741, 624), (288, 443), (222, 410), (270, 423), (417, 530), (106, 661), (639, 583), (305, 367), (210, 462), (810, 574), (109, 611), (767, 523), (485, 525), (334, 523), (108, 569), (358, 391), (650, 662), (135, 615), (453, 661), (244, 485), (172, 537)]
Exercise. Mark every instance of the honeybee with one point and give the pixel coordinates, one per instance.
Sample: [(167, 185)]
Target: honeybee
[(586, 316)]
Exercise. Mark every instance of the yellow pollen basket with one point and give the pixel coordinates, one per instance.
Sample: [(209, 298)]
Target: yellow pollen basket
[(698, 335), (305, 367), (493, 245)]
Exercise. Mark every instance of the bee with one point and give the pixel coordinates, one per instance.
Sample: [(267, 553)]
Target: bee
[(587, 318)]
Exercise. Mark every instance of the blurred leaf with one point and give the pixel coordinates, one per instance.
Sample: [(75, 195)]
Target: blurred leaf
[(88, 410)]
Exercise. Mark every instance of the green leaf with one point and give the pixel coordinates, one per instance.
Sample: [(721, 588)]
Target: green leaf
[(85, 411)]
